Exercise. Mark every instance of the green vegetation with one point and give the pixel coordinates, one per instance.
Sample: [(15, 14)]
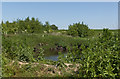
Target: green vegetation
[(90, 53), (78, 29), (27, 26)]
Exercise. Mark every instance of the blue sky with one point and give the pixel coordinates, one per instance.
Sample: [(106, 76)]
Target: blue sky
[(97, 15)]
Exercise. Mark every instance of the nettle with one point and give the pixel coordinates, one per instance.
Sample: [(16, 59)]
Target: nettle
[(103, 58), (19, 50)]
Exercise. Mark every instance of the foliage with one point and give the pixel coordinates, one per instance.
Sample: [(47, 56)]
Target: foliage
[(54, 27), (100, 59), (78, 29), (60, 61), (97, 57), (26, 26), (19, 50)]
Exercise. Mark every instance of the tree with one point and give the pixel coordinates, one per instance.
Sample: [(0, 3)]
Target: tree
[(78, 29), (82, 29), (54, 27), (4, 28), (47, 26), (27, 19), (22, 26), (73, 30), (106, 35)]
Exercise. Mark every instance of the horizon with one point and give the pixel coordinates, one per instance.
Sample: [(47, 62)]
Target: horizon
[(63, 28), (97, 15)]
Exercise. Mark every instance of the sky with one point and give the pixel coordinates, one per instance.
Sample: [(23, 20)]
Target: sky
[(97, 15), (119, 15), (60, 0)]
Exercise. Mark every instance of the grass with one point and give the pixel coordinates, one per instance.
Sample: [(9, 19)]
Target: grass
[(48, 40), (32, 40), (46, 68)]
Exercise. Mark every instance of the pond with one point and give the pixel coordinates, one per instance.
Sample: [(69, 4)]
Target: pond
[(53, 55)]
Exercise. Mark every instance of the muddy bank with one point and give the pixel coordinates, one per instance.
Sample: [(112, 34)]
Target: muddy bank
[(54, 50), (59, 48)]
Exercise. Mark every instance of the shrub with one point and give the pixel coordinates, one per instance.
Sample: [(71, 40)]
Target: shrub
[(78, 29), (101, 59)]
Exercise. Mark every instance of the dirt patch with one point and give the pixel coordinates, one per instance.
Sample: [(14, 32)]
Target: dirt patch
[(51, 69)]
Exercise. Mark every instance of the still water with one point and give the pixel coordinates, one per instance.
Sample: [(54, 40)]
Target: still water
[(53, 56)]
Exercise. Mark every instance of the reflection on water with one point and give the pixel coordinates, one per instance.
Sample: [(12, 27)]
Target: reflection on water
[(52, 55)]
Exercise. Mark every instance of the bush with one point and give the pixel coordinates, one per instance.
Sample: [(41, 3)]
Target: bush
[(54, 27), (101, 59), (19, 50), (26, 26), (78, 29)]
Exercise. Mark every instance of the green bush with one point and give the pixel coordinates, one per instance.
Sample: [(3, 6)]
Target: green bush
[(78, 29), (26, 26), (101, 59), (19, 50), (54, 27)]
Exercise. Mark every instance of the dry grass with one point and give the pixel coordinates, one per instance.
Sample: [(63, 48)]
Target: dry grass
[(40, 70)]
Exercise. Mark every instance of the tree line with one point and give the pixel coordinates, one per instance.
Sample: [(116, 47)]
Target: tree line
[(35, 26), (27, 26)]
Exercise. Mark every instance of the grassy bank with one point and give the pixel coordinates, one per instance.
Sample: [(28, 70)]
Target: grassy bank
[(48, 40), (88, 58)]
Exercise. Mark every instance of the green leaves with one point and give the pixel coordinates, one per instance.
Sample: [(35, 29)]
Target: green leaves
[(20, 50), (100, 59), (78, 29), (26, 26), (61, 60)]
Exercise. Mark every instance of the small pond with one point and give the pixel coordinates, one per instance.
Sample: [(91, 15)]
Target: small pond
[(53, 55)]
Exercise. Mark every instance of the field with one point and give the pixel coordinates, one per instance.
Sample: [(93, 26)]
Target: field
[(89, 52)]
